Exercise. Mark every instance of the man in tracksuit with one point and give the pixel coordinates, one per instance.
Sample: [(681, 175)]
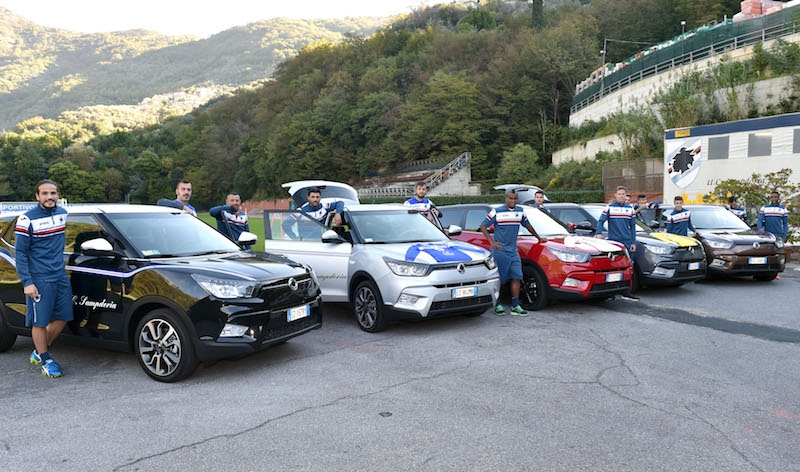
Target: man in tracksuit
[(774, 218), (231, 220), (621, 219), (315, 210), (680, 220), (420, 202), (736, 209), (39, 254)]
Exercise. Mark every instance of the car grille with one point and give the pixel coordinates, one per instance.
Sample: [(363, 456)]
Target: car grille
[(460, 284), (268, 334), (684, 254), (609, 255), (610, 286), (278, 294), (450, 304)]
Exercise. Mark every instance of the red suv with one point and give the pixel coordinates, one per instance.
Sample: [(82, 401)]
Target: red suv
[(560, 266)]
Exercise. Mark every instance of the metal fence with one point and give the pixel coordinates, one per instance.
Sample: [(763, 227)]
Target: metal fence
[(693, 46), (406, 190), (640, 176)]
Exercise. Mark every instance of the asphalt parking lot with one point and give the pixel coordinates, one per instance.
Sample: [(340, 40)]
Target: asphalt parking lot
[(698, 378)]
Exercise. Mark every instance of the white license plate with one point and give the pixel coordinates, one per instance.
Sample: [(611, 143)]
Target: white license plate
[(757, 260), (464, 292), (616, 277), (298, 312), (694, 265)]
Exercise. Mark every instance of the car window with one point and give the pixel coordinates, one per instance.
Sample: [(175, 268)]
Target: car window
[(293, 226), (326, 192), (170, 234), (713, 218), (451, 216), (475, 217), (574, 215), (544, 223), (80, 228), (394, 226)]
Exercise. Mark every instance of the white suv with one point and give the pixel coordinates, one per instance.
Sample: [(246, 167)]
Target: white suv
[(388, 262)]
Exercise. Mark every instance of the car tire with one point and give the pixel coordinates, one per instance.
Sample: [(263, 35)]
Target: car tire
[(766, 277), (533, 292), (638, 280), (7, 338), (164, 347), (368, 307)]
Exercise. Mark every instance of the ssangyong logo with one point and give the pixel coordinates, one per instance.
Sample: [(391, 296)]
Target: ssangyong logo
[(461, 268), (612, 256), (756, 245), (293, 284)]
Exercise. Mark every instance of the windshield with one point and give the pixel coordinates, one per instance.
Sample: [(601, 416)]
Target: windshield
[(170, 234), (713, 218), (543, 223), (336, 193), (394, 226)]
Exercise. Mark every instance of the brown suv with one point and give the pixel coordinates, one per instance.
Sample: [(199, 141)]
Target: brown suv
[(732, 247)]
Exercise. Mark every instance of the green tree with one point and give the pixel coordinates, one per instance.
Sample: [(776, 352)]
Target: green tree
[(519, 165)]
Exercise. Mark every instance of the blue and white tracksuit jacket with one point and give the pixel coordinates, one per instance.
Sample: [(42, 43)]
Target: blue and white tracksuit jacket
[(423, 206), (740, 212), (321, 211), (680, 223), (621, 223), (39, 245), (229, 223), (775, 219)]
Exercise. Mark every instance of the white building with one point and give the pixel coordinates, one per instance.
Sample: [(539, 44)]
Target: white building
[(696, 159)]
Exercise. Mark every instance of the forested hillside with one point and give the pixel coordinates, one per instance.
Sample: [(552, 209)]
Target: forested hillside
[(44, 71), (496, 81)]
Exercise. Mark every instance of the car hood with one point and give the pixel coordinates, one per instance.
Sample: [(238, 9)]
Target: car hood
[(681, 241), (251, 266), (439, 252), (584, 244), (744, 236)]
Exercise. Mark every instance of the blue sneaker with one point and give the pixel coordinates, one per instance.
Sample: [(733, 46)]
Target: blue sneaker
[(35, 359), (51, 369)]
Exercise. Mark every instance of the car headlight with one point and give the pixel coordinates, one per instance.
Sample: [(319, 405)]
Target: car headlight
[(720, 243), (490, 263), (225, 288), (570, 256), (659, 248), (405, 268)]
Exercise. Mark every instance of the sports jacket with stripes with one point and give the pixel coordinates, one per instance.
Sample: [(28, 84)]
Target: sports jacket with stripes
[(39, 245)]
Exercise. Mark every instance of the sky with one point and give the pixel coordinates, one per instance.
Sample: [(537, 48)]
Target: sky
[(199, 18)]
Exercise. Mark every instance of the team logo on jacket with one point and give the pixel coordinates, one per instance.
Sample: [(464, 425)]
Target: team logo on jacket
[(683, 160)]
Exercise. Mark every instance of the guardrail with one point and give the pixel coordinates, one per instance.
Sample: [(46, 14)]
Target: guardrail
[(719, 47)]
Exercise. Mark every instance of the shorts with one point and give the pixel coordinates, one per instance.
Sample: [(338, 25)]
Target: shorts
[(55, 303), (509, 265)]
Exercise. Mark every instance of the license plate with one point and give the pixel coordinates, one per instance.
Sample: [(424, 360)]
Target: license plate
[(694, 265), (616, 277), (464, 292), (757, 260), (298, 312)]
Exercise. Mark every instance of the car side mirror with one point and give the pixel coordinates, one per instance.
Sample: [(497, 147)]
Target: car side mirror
[(654, 224), (585, 225), (330, 236), (247, 238), (97, 247), (454, 230)]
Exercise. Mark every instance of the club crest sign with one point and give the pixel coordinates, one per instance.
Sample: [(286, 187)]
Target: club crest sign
[(683, 161)]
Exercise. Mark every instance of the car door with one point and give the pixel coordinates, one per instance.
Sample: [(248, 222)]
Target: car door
[(297, 236), (97, 283)]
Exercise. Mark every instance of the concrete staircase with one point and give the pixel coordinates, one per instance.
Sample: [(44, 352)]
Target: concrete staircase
[(452, 179)]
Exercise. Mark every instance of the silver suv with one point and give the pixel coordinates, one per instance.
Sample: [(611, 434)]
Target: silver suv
[(388, 262)]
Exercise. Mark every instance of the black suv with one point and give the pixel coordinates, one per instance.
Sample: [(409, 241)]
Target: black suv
[(165, 285)]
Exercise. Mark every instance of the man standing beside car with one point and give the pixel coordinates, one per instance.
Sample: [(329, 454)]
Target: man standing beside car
[(774, 218), (736, 209), (680, 220), (39, 254), (231, 220), (621, 219), (507, 220), (421, 203)]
